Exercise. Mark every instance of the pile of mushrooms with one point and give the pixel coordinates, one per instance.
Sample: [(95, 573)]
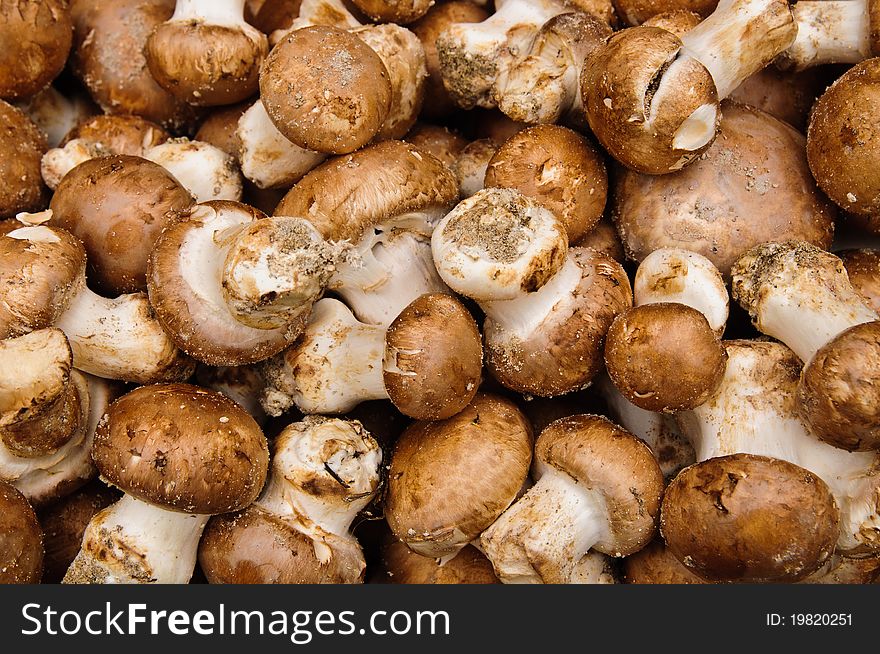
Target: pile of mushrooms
[(526, 291)]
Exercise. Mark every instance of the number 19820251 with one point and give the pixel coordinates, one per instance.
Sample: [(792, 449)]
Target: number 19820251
[(809, 620)]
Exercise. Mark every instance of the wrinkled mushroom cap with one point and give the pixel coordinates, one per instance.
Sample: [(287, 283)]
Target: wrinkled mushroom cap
[(21, 539), (21, 147), (433, 358), (118, 205), (182, 447), (746, 518), (450, 479)]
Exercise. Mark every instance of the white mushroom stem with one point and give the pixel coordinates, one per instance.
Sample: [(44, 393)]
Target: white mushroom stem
[(545, 534), (226, 13), (204, 170), (685, 277), (267, 157), (134, 542), (740, 38), (336, 365), (770, 427), (829, 32)]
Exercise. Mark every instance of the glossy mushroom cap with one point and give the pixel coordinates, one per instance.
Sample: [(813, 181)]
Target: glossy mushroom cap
[(704, 210), (21, 539), (184, 448), (664, 356), (557, 167), (450, 479), (343, 95), (21, 148), (752, 519), (863, 269), (37, 37), (118, 206)]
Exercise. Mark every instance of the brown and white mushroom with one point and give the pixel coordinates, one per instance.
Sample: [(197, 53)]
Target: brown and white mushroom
[(206, 171), (324, 472), (471, 165), (652, 98), (400, 565), (21, 539), (547, 307), (863, 269), (244, 384), (21, 147), (428, 362), (56, 113), (801, 295), (181, 454), (639, 12), (440, 142), (597, 487)]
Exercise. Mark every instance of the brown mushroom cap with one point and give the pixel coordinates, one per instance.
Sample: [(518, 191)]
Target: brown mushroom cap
[(605, 458), (559, 168), (636, 123), (841, 386), (325, 89), (393, 11), (182, 447), (786, 95), (21, 147), (21, 539), (655, 564), (347, 195), (746, 518), (450, 479), (109, 39), (36, 38), (863, 269), (438, 104), (604, 238), (400, 565), (219, 129), (677, 21), (119, 134), (118, 205), (270, 15), (433, 358), (63, 524), (752, 186), (637, 12), (257, 547), (38, 279), (440, 142), (664, 357)]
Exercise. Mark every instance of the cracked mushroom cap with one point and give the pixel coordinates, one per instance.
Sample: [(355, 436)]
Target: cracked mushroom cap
[(108, 56), (559, 168), (21, 539), (36, 39), (752, 186), (664, 357), (450, 479), (863, 269), (752, 519), (118, 206), (325, 89), (603, 457), (41, 269), (651, 110), (843, 141), (21, 147), (346, 196), (182, 447)]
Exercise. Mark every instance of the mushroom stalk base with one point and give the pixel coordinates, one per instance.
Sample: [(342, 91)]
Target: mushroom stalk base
[(133, 542), (545, 534)]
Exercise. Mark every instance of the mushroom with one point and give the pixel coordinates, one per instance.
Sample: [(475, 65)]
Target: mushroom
[(118, 205), (206, 171), (597, 487), (440, 142), (21, 539), (21, 147), (244, 384), (37, 37), (547, 307), (400, 565), (56, 113), (339, 362), (471, 166), (764, 377), (42, 283), (108, 57), (324, 471), (439, 17), (677, 21), (220, 126), (543, 85), (393, 11), (329, 13), (450, 479), (559, 168), (638, 12), (603, 238), (652, 98), (206, 54), (842, 145), (180, 454), (786, 95), (753, 185), (100, 136), (863, 269), (747, 518), (655, 564), (801, 295)]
